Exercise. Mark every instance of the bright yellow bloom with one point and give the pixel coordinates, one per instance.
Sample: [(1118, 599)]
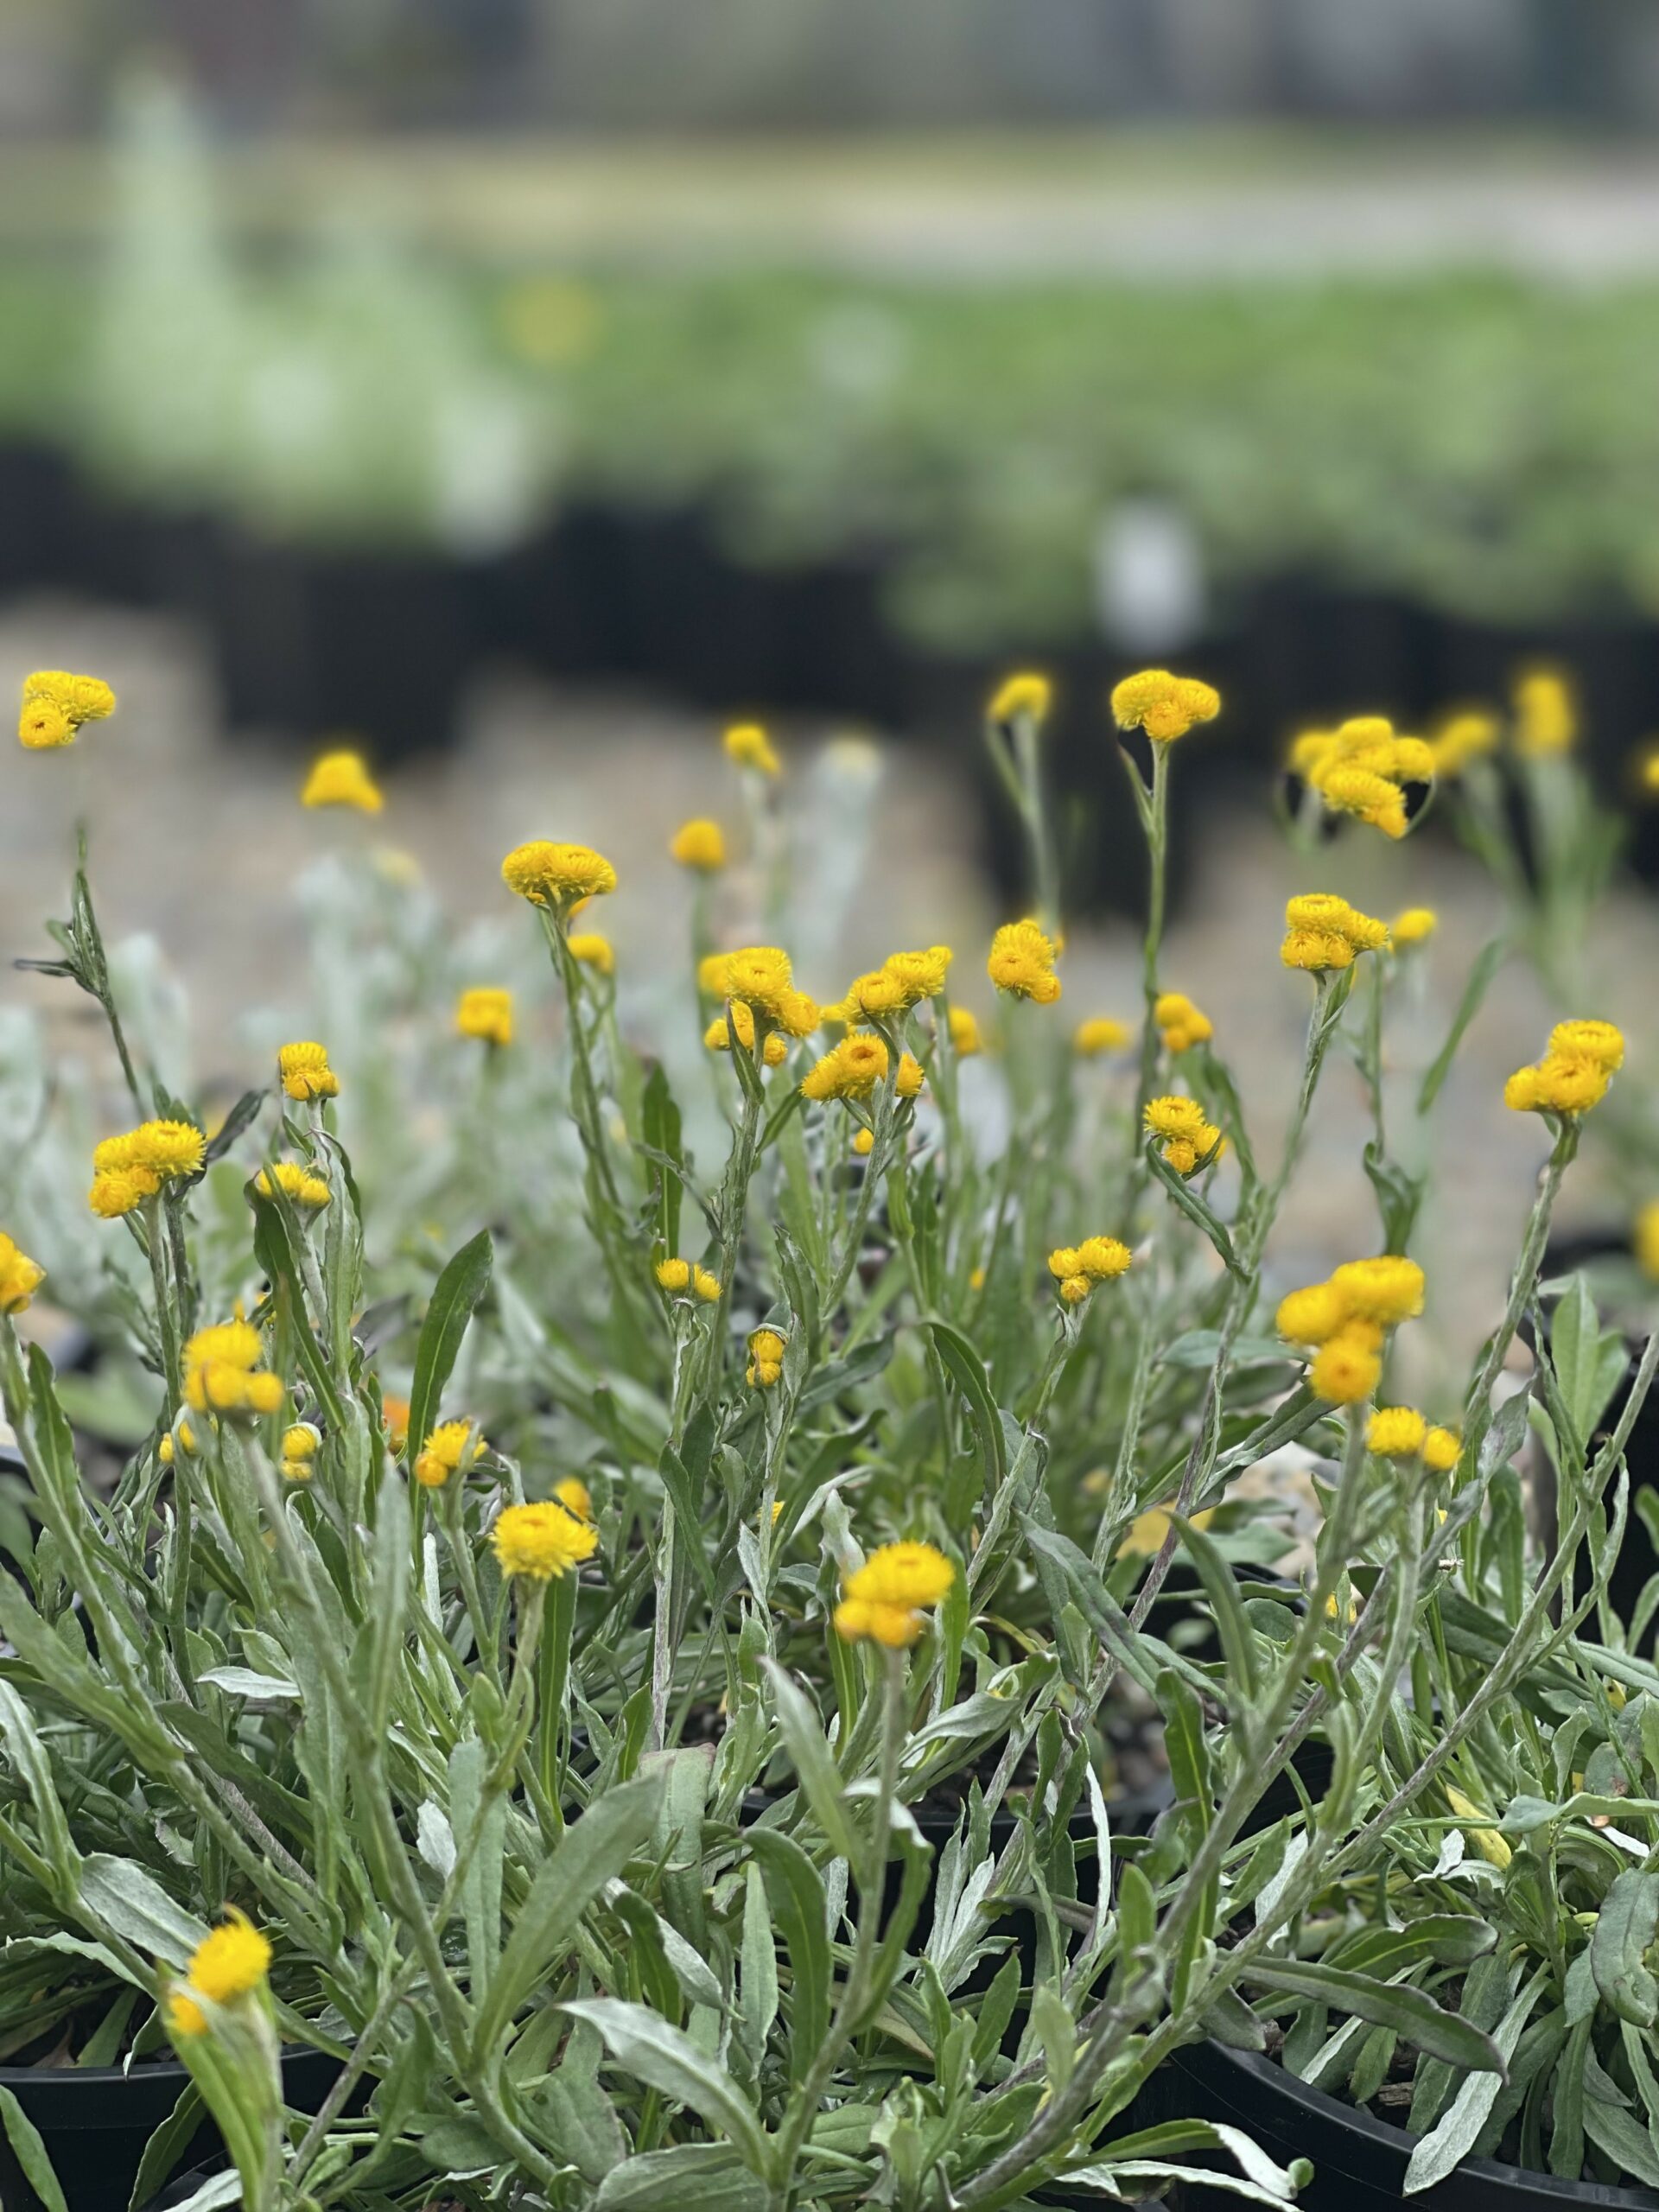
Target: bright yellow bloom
[(485, 1012), (1026, 694), (1323, 931), (592, 950), (1021, 962), (1146, 1532), (1189, 1142), (230, 1962), (542, 1542), (166, 1150), (1312, 1315), (1602, 1043), (452, 1444), (711, 975), (1386, 1290), (573, 1494), (305, 1070), (699, 844), (183, 2016), (1463, 737), (964, 1033), (300, 1443), (903, 980), (1360, 768), (766, 1365), (761, 978), (674, 1274), (57, 703), (1100, 1033), (705, 1285), (1413, 926), (849, 1070), (222, 1372), (908, 1081), (1396, 1432), (1486, 1840), (1441, 1450), (887, 1598), (342, 779), (1546, 713), (864, 1143), (748, 745), (1180, 1024), (556, 875), (1574, 1074), (1163, 705), (119, 1191), (1348, 1367), (1097, 1260), (301, 1186), (20, 1277), (1173, 1117)]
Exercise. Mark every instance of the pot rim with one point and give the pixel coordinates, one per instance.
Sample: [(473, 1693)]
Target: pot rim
[(45, 2083)]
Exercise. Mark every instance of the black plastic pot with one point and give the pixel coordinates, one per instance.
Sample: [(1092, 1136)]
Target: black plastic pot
[(1359, 2162), (96, 2120)]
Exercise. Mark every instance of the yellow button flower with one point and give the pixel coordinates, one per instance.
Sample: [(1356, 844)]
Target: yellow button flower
[(747, 744), (699, 844), (1323, 932), (1546, 713), (1021, 962), (573, 1494), (1098, 1035), (1026, 696), (301, 1186), (1442, 1448), (1574, 1073), (230, 1962), (849, 1070), (20, 1277), (1163, 705), (452, 1446), (965, 1038), (341, 778), (1414, 926), (594, 951), (1181, 1024), (485, 1012), (766, 1365), (556, 875), (305, 1072), (222, 1372), (1349, 1365), (56, 705), (1396, 1432), (542, 1542), (886, 1598), (1468, 735)]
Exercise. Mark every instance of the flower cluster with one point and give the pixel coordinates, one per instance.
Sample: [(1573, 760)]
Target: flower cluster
[(903, 980), (485, 1012), (305, 1072), (1021, 962), (849, 1070), (128, 1169), (766, 1365), (1401, 1432), (761, 978), (886, 1598), (1362, 768), (56, 704), (229, 1964), (453, 1445), (301, 1186), (1323, 932), (1189, 1141), (1180, 1024), (1098, 1035), (542, 1542), (557, 876), (341, 780), (1582, 1059), (677, 1276), (1078, 1269), (222, 1372), (1344, 1319), (1163, 705), (20, 1277)]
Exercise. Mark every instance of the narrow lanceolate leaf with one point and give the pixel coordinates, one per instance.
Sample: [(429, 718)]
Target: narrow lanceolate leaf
[(967, 1370), (1410, 2012), (454, 1299), (30, 2153), (667, 2060), (811, 1757), (1456, 2135), (119, 1895), (1628, 1924)]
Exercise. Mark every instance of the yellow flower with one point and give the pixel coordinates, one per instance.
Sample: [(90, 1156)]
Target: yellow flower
[(230, 1962), (542, 1542), (1574, 1072), (1372, 797), (300, 1443), (1189, 1142), (1146, 1532), (674, 1274), (305, 1070), (1487, 1841), (699, 844), (165, 1150), (1600, 1042), (593, 951), (20, 1277), (222, 1372), (766, 1365), (1546, 713), (302, 1187), (1442, 1448), (1467, 735), (57, 703), (705, 1285), (1173, 1117), (1100, 1033), (908, 1081), (452, 1444), (1386, 1290), (913, 976), (748, 745), (1361, 767), (187, 1437), (485, 1012), (1026, 694), (1312, 1315), (1414, 926), (1396, 1432), (183, 2016), (964, 1033), (342, 779), (1163, 705), (394, 1417), (573, 1494), (1021, 962), (1180, 1023), (1323, 931), (849, 1070), (1098, 1259), (1349, 1366), (556, 875), (864, 1143), (887, 1598), (120, 1191)]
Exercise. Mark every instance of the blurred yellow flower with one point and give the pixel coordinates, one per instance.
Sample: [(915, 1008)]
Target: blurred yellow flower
[(485, 1012), (542, 1542), (699, 844), (1021, 962), (1026, 694), (341, 780), (748, 745), (886, 1599)]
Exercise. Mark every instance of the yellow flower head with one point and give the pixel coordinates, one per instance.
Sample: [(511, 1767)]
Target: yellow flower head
[(1189, 1142), (1163, 705), (302, 1187), (1546, 713), (1362, 767), (592, 950), (222, 1372), (20, 1277), (1386, 1290), (760, 976), (1396, 1432), (766, 1365), (166, 1150), (341, 780), (964, 1033), (1599, 1042), (849, 1070), (915, 975), (120, 1191), (1180, 1024), (230, 1962), (699, 844), (908, 1081), (573, 1494), (864, 1143), (451, 1447), (1413, 926), (542, 1542), (1441, 1450), (705, 1285), (300, 1442), (1026, 694), (1312, 1315), (56, 705), (1323, 931), (1099, 1034), (1348, 1368), (674, 1274), (305, 1070), (183, 2016), (1174, 1117), (1021, 962), (1574, 1074), (886, 1598), (1097, 1260), (1469, 734), (556, 875), (485, 1012), (748, 745)]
